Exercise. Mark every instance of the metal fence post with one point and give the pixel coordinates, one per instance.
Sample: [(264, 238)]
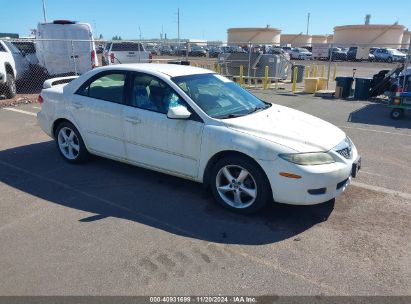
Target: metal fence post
[(241, 75), (329, 64), (74, 57), (249, 62), (407, 63)]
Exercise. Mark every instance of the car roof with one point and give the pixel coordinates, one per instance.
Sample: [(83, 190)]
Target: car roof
[(171, 70)]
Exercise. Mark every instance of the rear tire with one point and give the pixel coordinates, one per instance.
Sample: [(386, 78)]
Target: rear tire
[(397, 114), (10, 89), (240, 185), (70, 144)]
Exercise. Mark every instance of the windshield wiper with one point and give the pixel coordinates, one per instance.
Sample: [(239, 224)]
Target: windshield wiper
[(258, 109)]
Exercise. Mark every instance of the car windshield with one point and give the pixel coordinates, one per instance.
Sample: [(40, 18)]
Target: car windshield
[(218, 96)]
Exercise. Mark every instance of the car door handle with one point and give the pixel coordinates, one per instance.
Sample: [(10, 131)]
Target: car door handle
[(133, 120), (77, 105)]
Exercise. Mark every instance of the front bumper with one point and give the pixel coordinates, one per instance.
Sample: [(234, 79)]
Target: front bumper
[(317, 184)]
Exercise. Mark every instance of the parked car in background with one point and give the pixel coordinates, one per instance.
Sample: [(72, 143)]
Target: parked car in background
[(165, 50), (300, 54), (337, 53), (198, 125), (214, 52), (197, 51), (118, 52), (389, 55), (180, 50), (13, 67), (58, 55), (405, 51), (152, 48), (28, 50), (279, 51)]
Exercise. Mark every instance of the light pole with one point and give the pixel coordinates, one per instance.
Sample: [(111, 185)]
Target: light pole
[(308, 22), (44, 11), (178, 26)]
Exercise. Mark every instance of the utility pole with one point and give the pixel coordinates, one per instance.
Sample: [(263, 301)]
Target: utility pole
[(308, 22), (44, 12), (139, 29), (178, 26)]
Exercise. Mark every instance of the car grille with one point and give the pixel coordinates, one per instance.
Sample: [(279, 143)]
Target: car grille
[(346, 153), (345, 148)]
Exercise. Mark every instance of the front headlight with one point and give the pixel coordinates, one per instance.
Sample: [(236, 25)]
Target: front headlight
[(308, 159)]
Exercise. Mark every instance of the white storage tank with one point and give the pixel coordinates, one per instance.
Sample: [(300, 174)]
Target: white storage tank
[(319, 39), (296, 39), (266, 35), (374, 34), (406, 39)]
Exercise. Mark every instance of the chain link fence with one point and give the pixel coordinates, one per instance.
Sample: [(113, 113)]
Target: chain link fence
[(290, 68)]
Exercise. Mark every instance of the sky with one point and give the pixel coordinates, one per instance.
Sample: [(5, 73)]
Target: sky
[(208, 20)]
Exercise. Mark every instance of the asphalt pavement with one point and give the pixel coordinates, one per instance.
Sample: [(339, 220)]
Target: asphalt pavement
[(106, 228)]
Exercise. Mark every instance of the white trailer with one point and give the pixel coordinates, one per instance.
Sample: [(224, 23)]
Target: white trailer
[(65, 47)]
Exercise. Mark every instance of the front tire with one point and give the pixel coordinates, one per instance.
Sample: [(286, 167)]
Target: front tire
[(240, 185), (70, 143)]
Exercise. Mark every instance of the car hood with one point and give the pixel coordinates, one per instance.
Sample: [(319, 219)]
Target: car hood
[(290, 128)]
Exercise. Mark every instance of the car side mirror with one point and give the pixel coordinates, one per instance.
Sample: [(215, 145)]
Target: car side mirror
[(178, 112)]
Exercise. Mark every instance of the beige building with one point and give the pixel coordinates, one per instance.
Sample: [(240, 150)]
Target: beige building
[(296, 39), (318, 39), (373, 34), (265, 35), (330, 39)]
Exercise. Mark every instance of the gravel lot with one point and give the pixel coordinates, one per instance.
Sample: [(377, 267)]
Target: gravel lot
[(105, 228)]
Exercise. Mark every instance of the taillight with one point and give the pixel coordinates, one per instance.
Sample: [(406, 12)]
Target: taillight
[(93, 59), (40, 99), (112, 57)]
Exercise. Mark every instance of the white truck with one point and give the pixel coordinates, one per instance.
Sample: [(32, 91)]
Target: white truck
[(13, 67), (65, 47), (118, 52)]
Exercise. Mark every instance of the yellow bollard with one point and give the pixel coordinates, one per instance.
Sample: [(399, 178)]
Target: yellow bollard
[(218, 69), (335, 72), (241, 75), (295, 75), (315, 70), (322, 71), (307, 72), (266, 78)]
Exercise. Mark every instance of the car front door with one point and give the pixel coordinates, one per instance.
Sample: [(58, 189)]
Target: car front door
[(97, 108), (154, 140)]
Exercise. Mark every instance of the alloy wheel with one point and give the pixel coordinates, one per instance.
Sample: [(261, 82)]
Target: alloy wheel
[(236, 186)]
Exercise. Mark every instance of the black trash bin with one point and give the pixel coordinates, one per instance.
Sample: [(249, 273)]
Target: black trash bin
[(344, 86), (300, 72), (362, 88)]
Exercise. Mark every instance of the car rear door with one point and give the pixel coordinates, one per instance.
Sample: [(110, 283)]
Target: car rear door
[(154, 140), (97, 108)]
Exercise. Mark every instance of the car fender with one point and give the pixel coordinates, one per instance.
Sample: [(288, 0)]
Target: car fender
[(219, 138)]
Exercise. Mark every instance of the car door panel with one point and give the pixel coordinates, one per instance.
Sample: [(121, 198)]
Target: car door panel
[(101, 121), (168, 144), (154, 140)]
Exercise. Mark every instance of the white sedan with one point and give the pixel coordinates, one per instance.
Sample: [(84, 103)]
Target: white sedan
[(198, 125)]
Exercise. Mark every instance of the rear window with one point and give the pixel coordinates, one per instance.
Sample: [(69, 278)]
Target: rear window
[(126, 46)]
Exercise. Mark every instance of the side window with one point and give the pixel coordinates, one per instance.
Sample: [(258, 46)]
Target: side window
[(109, 87), (151, 93)]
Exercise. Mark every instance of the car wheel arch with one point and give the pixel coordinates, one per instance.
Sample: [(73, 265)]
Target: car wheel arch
[(223, 154), (59, 121)]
